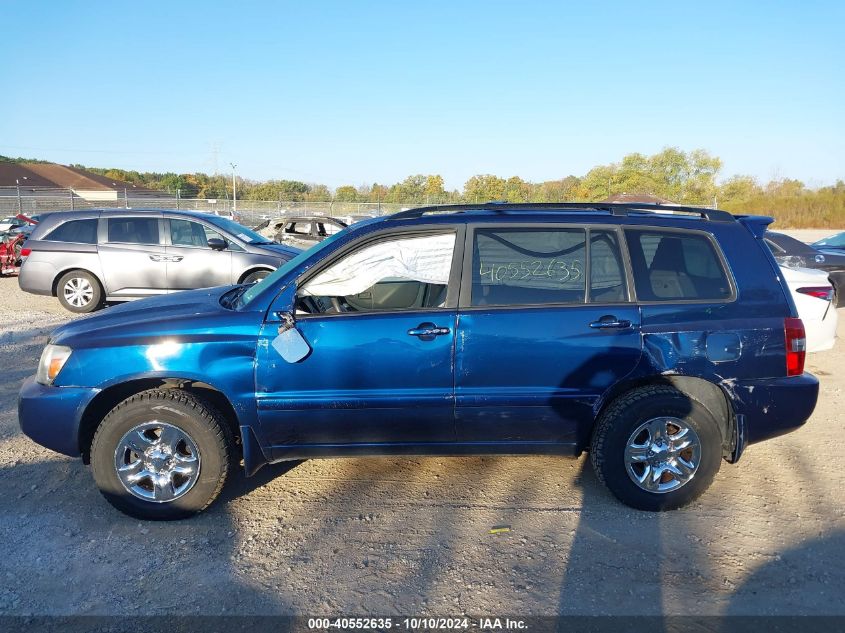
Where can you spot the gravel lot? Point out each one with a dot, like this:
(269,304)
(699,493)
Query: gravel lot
(411,536)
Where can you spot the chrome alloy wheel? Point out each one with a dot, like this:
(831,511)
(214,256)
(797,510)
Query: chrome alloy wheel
(157,462)
(78,292)
(662,454)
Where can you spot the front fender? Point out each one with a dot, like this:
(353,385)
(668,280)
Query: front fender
(227,366)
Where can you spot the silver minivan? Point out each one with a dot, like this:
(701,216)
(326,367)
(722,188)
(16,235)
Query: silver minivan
(86,258)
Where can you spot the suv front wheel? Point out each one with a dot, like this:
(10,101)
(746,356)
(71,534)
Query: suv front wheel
(656,449)
(162,454)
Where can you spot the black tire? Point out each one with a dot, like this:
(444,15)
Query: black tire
(79,279)
(624,416)
(191,415)
(255,276)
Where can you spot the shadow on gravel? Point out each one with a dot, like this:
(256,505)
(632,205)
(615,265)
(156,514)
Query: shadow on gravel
(807,580)
(240,485)
(67,552)
(628,553)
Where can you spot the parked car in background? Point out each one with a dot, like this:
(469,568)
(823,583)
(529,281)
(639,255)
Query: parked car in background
(11,244)
(28,226)
(833,243)
(352,219)
(796,254)
(814,297)
(663,344)
(86,258)
(11,222)
(302,231)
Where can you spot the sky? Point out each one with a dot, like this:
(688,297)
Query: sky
(362,92)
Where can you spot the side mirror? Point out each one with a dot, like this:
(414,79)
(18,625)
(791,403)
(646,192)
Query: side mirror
(215,243)
(290,344)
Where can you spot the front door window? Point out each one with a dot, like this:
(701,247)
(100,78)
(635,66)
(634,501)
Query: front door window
(410,273)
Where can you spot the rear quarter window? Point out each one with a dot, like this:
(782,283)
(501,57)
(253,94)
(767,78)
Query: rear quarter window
(76,231)
(676,266)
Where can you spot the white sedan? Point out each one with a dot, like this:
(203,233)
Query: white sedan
(813,295)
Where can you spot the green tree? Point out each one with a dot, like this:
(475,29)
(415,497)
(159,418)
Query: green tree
(433,189)
(346,193)
(484,188)
(318,193)
(738,189)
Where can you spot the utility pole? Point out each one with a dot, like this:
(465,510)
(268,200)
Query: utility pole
(18,186)
(234,190)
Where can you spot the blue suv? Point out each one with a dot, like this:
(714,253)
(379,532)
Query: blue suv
(661,340)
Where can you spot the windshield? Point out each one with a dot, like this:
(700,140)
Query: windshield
(271,279)
(238,230)
(833,240)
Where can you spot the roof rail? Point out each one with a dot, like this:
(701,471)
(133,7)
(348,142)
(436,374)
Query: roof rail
(614,208)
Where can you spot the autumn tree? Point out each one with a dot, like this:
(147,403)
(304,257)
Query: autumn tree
(346,193)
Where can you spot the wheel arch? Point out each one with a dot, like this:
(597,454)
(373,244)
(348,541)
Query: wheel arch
(705,392)
(55,285)
(254,269)
(111,396)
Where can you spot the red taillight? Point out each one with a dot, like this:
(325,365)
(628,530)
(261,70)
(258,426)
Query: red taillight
(796,346)
(25,252)
(820,292)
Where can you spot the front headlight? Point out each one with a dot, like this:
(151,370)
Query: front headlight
(53,358)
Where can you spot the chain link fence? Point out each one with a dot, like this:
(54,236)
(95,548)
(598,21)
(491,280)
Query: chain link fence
(247,212)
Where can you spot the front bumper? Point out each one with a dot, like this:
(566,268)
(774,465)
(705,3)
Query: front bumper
(774,406)
(50,416)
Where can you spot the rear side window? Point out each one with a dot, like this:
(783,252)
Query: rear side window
(77,231)
(607,273)
(133,230)
(672,266)
(298,228)
(528,266)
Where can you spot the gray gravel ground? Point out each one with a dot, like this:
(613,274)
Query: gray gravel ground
(410,536)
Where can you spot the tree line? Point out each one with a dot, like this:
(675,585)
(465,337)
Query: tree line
(682,177)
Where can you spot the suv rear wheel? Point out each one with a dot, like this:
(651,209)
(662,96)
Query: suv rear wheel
(656,449)
(79,291)
(162,454)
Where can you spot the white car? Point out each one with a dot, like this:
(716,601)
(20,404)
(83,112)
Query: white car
(813,295)
(7,224)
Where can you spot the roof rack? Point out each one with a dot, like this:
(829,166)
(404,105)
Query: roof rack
(614,208)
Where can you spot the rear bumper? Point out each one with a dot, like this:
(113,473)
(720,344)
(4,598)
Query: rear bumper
(774,406)
(36,277)
(50,416)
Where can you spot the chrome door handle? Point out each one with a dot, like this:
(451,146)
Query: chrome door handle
(427,331)
(610,323)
